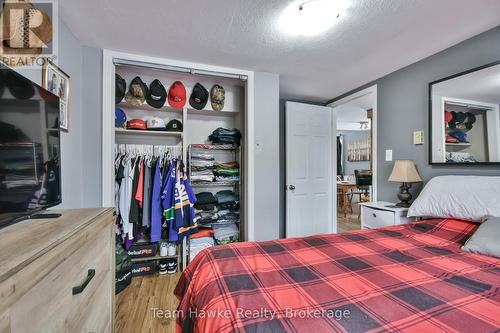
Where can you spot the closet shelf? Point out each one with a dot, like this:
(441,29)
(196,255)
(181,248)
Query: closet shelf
(124,131)
(168,108)
(463,144)
(157,257)
(147,107)
(213,113)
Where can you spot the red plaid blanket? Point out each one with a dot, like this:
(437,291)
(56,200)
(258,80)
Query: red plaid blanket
(408,278)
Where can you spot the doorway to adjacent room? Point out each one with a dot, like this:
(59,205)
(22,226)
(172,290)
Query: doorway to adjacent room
(356,155)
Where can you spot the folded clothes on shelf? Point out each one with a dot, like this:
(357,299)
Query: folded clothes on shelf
(212,147)
(202,156)
(201,164)
(226,233)
(226,172)
(234,179)
(226,196)
(226,165)
(196,168)
(232,205)
(196,245)
(202,178)
(205,198)
(204,206)
(204,172)
(225,136)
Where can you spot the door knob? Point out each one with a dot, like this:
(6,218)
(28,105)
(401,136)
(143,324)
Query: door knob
(291,187)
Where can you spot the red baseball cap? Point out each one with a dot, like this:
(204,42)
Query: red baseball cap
(137,124)
(447,116)
(177,95)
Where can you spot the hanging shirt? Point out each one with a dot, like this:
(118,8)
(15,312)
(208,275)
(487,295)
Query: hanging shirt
(139,194)
(169,202)
(134,204)
(123,203)
(184,204)
(146,201)
(156,209)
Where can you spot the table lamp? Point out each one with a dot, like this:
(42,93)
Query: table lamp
(404,172)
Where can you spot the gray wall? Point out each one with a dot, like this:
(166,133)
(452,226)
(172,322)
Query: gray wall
(72,165)
(349,137)
(92,127)
(267,160)
(403,108)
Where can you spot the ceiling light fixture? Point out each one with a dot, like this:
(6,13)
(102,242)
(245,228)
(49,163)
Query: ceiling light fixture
(310,17)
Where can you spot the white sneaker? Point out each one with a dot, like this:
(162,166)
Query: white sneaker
(163,249)
(171,249)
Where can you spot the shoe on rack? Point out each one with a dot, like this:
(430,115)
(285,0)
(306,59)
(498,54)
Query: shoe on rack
(171,266)
(163,267)
(163,249)
(171,249)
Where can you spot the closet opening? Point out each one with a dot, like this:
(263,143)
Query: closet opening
(207,136)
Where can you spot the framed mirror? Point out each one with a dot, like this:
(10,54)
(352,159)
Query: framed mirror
(464,117)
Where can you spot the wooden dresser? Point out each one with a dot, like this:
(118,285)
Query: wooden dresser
(57,275)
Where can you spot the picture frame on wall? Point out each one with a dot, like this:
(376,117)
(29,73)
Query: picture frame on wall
(57,82)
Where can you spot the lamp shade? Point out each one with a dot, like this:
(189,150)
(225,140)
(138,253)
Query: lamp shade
(404,171)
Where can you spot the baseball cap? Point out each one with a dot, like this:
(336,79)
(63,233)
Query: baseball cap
(470,120)
(156,124)
(199,97)
(217,97)
(120,117)
(120,88)
(137,124)
(174,125)
(157,94)
(447,117)
(450,139)
(177,95)
(137,92)
(460,136)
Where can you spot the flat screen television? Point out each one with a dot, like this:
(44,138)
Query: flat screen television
(30,172)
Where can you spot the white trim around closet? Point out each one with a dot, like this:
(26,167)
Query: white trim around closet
(108,127)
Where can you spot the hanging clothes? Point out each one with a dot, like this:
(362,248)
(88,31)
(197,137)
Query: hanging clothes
(169,202)
(153,197)
(156,207)
(185,222)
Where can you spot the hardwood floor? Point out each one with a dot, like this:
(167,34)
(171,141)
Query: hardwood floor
(350,221)
(134,305)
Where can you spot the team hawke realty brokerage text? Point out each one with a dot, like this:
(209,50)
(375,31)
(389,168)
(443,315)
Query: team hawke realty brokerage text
(240,313)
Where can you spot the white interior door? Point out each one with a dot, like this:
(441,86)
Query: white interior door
(310,171)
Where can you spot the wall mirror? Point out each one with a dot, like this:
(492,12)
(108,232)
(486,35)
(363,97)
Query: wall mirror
(465,117)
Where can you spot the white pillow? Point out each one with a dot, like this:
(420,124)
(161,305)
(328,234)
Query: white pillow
(470,198)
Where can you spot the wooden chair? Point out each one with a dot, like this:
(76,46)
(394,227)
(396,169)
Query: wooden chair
(363,183)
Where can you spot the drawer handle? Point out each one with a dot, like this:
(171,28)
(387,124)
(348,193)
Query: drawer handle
(80,289)
(374,215)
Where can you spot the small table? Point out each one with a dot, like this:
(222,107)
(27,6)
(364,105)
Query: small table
(382,214)
(345,187)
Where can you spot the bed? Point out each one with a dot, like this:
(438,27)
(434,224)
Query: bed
(411,278)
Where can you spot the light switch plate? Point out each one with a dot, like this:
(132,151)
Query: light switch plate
(418,137)
(388,155)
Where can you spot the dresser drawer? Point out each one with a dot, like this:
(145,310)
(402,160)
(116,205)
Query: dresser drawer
(375,218)
(53,305)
